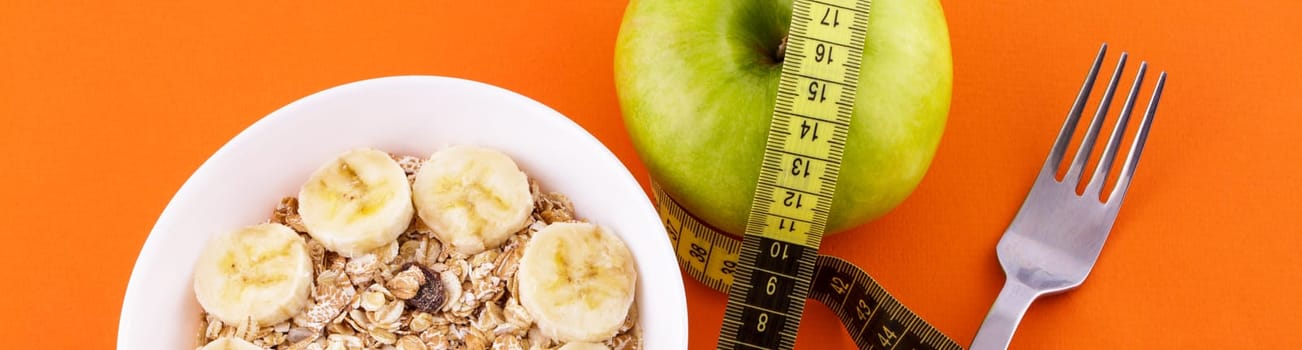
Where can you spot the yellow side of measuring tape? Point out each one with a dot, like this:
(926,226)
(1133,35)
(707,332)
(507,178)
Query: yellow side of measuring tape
(770,273)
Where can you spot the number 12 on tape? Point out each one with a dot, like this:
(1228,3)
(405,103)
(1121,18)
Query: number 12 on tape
(802,156)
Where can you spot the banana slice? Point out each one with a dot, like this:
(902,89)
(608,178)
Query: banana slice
(473,198)
(230,343)
(261,272)
(577,280)
(357,202)
(578,345)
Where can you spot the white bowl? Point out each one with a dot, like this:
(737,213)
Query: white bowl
(243,181)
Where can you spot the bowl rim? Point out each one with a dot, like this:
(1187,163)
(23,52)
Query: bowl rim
(151,250)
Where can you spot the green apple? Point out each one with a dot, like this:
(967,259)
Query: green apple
(697,82)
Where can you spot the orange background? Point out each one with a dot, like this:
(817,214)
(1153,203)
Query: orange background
(107,107)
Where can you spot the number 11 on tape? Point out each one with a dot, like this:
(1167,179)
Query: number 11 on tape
(802,157)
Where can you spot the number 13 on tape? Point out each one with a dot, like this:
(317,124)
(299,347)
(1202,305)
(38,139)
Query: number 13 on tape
(802,157)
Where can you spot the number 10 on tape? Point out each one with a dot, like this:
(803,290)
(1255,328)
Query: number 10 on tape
(802,156)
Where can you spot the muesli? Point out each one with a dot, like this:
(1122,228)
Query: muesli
(458,251)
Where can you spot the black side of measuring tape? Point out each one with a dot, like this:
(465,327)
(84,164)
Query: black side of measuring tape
(872,317)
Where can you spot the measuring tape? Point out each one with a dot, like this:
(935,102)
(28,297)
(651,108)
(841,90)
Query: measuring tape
(874,319)
(769,274)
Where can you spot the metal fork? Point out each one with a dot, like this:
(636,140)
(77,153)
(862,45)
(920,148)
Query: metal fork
(1056,237)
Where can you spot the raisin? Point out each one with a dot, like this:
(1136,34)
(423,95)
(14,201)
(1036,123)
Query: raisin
(431,296)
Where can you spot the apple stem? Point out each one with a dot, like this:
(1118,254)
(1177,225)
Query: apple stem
(782,49)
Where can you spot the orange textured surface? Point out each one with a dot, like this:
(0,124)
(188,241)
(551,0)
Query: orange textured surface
(107,107)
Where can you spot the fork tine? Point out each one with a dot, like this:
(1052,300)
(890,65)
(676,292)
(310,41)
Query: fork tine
(1114,141)
(1074,173)
(1069,126)
(1137,147)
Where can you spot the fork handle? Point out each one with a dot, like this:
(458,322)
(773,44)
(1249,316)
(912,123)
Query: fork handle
(997,330)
